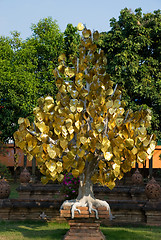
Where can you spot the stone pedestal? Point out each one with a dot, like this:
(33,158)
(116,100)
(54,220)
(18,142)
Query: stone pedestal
(84,226)
(153,212)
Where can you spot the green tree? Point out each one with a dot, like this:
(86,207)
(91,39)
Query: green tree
(18,84)
(71,42)
(48,42)
(26,72)
(86,130)
(132,48)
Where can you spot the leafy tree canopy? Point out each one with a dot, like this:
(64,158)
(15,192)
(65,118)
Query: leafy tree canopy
(86,130)
(71,42)
(48,43)
(132,48)
(26,69)
(18,85)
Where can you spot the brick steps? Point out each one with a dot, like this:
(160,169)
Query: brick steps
(84,226)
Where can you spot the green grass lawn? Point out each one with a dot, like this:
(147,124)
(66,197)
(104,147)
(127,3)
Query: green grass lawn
(36,230)
(132,233)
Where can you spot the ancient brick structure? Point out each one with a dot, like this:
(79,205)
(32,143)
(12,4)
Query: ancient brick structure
(84,226)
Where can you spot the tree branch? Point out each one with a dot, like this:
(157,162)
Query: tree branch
(50,140)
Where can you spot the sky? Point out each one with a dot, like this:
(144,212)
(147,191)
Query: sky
(96,14)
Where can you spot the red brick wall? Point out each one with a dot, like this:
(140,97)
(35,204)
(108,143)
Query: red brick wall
(8,159)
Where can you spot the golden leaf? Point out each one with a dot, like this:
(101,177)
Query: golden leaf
(101,164)
(116,103)
(119,121)
(134,150)
(111,185)
(62,57)
(84,93)
(75,173)
(80,26)
(81,153)
(96,35)
(22,144)
(116,169)
(111,111)
(51,151)
(146,142)
(49,100)
(64,131)
(74,93)
(77,124)
(142,156)
(63,143)
(142,131)
(57,131)
(61,68)
(29,157)
(60,177)
(36,150)
(62,89)
(58,152)
(53,175)
(83,140)
(109,91)
(65,159)
(44,138)
(129,143)
(152,145)
(71,129)
(44,180)
(73,108)
(42,127)
(79,76)
(21,120)
(68,122)
(80,107)
(70,137)
(108,156)
(71,154)
(99,127)
(73,102)
(59,167)
(69,72)
(51,166)
(86,33)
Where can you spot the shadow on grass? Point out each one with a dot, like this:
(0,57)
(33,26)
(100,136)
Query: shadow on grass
(32,230)
(132,233)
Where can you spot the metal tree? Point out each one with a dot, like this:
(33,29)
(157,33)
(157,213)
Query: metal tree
(86,130)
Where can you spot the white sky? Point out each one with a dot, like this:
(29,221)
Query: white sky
(20,14)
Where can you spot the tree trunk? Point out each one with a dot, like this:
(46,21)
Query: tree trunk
(85,188)
(86,198)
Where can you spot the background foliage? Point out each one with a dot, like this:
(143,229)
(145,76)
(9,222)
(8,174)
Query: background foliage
(132,48)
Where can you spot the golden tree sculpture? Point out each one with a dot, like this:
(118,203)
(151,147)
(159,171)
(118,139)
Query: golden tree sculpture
(86,130)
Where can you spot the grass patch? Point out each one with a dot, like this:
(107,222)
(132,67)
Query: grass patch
(37,230)
(132,233)
(31,230)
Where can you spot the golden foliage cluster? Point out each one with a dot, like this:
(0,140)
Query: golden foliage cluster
(86,130)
